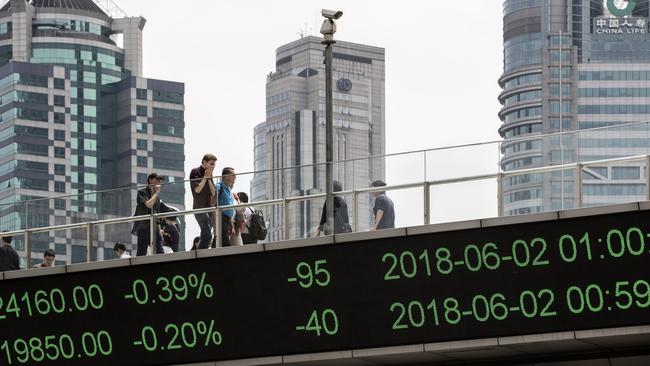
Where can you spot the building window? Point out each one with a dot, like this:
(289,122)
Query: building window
(33,149)
(563,56)
(141,94)
(168,97)
(556,73)
(59,84)
(59,204)
(556,107)
(141,127)
(142,144)
(59,100)
(59,169)
(59,187)
(59,152)
(59,118)
(141,111)
(33,80)
(142,161)
(555,90)
(59,135)
(142,178)
(566,123)
(165,130)
(168,164)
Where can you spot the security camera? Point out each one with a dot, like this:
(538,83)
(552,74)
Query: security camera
(328,28)
(331,14)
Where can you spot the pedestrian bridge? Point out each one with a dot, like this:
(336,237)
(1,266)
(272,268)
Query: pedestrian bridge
(550,287)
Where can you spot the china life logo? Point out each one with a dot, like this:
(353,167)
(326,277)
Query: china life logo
(620,20)
(620,12)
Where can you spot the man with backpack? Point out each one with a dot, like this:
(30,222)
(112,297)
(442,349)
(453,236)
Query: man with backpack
(255,226)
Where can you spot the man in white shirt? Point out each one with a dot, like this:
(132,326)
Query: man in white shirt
(248,211)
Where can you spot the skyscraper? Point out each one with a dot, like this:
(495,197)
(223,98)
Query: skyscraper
(77,116)
(574,65)
(294,131)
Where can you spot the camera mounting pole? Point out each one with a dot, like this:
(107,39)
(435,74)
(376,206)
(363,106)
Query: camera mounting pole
(327,30)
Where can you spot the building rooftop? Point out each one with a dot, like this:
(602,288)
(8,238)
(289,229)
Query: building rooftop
(87,5)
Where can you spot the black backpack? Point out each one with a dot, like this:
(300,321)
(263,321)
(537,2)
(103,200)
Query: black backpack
(257,227)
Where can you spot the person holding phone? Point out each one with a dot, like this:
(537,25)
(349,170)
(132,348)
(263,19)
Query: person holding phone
(149,202)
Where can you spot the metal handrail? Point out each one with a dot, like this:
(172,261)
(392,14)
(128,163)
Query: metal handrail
(410,152)
(426,185)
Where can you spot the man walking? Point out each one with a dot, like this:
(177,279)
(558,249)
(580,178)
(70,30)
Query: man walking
(384,210)
(149,202)
(8,256)
(204,194)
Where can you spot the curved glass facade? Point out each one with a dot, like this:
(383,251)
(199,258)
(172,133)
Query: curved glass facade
(521,100)
(522,51)
(510,6)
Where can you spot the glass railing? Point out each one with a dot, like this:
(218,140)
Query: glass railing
(531,174)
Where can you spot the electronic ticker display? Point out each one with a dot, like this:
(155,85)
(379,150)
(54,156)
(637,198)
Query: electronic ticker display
(581,273)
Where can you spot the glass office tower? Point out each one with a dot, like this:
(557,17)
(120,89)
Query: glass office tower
(574,65)
(77,117)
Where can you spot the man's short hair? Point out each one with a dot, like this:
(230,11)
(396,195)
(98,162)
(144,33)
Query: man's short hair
(227,171)
(243,197)
(49,253)
(155,175)
(208,157)
(6,239)
(119,246)
(378,183)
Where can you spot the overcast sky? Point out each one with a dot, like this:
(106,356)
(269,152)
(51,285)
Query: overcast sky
(443,59)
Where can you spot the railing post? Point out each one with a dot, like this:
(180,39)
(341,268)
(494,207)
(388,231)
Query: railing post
(89,241)
(425,165)
(427,203)
(647,177)
(578,187)
(152,233)
(355,210)
(218,222)
(28,249)
(285,223)
(28,244)
(215,221)
(500,194)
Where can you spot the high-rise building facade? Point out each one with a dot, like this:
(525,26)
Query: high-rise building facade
(574,65)
(294,131)
(77,116)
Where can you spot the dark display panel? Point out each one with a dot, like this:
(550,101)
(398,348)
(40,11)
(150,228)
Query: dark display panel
(582,273)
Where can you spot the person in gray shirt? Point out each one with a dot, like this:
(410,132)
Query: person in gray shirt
(384,209)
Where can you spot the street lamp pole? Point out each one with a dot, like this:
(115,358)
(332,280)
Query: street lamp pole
(327,30)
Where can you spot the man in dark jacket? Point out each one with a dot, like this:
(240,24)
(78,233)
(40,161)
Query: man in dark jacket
(341,218)
(148,201)
(8,256)
(204,194)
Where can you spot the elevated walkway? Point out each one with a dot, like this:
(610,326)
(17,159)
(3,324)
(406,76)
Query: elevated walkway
(552,287)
